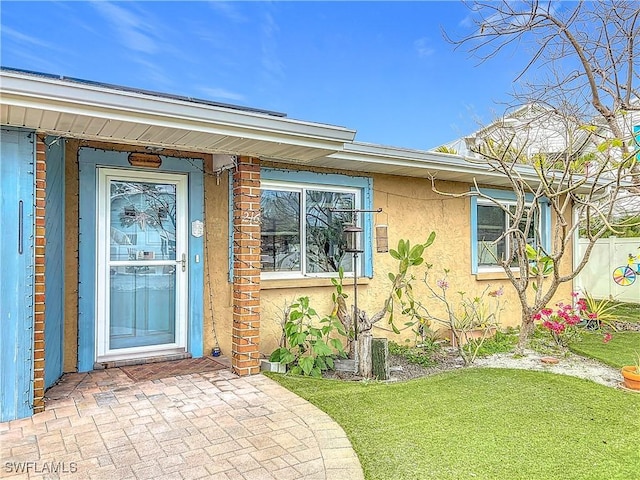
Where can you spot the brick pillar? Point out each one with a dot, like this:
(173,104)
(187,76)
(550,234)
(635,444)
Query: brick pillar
(38,281)
(245,348)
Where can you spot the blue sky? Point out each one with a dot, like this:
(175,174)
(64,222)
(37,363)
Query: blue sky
(381,68)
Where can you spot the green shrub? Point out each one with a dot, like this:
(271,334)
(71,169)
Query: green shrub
(309,349)
(424,355)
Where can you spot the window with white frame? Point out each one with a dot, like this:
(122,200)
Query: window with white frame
(490,222)
(302,228)
(493,221)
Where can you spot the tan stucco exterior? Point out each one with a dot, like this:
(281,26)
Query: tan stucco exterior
(410,208)
(218,303)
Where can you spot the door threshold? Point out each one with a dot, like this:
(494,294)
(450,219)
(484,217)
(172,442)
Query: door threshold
(140,361)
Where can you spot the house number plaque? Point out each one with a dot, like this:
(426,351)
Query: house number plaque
(197,228)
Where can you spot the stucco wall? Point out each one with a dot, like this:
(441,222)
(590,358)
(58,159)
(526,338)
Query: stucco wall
(412,210)
(218,308)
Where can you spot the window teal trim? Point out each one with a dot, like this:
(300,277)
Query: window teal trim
(636,134)
(365,184)
(89,160)
(545,224)
(474,233)
(507,196)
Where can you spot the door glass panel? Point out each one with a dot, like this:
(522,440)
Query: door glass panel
(142,270)
(142,306)
(143,221)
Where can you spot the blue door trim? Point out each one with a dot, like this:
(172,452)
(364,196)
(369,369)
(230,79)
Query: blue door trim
(89,160)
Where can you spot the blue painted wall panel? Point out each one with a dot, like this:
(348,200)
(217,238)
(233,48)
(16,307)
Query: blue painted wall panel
(90,159)
(54,261)
(17,207)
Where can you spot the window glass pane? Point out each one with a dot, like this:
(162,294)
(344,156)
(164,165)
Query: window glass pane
(325,241)
(530,233)
(280,231)
(491,225)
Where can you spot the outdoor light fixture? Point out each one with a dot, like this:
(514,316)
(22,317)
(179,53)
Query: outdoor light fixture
(352,237)
(223,162)
(351,234)
(382,239)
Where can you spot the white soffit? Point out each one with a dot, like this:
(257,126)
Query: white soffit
(416,163)
(91,111)
(95,112)
(364,157)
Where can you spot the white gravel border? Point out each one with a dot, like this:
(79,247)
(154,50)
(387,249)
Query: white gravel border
(572,365)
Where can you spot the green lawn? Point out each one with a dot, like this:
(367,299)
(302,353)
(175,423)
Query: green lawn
(484,424)
(617,352)
(628,311)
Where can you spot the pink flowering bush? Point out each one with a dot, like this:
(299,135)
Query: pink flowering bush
(563,322)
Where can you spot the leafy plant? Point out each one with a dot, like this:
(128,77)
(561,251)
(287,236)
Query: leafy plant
(423,355)
(636,363)
(540,265)
(501,342)
(462,316)
(309,349)
(600,312)
(408,256)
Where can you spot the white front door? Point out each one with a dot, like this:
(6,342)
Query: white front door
(142,264)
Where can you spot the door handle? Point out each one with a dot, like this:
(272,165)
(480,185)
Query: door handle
(20,227)
(183,262)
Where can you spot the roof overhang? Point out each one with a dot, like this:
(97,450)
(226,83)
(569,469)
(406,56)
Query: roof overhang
(371,158)
(419,163)
(93,111)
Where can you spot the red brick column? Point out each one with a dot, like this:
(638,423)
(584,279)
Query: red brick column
(245,348)
(38,280)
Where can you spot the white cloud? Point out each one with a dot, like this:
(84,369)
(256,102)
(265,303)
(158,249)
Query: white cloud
(36,60)
(423,47)
(467,21)
(154,73)
(132,28)
(270,60)
(229,11)
(24,39)
(221,93)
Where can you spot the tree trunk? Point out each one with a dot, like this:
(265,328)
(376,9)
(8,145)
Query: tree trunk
(365,367)
(526,329)
(379,358)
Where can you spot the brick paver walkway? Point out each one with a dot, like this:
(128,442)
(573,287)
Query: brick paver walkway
(212,425)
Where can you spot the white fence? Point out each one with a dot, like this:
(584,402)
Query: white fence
(607,255)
